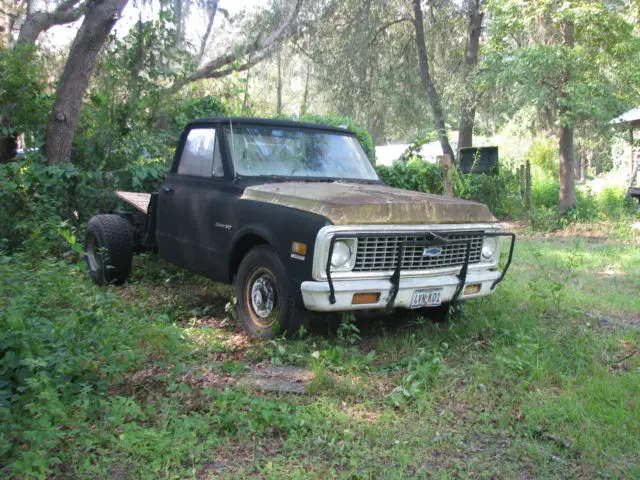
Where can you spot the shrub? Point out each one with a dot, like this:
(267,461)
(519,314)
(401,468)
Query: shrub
(415,174)
(24,105)
(545,193)
(499,192)
(543,155)
(64,345)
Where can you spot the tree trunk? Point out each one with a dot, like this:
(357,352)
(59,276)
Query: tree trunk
(205,39)
(100,18)
(245,99)
(279,86)
(567,178)
(468,107)
(427,81)
(305,96)
(8,145)
(179,23)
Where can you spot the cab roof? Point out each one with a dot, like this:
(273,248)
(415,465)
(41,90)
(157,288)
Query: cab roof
(270,122)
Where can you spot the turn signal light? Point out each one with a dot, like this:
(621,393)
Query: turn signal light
(299,248)
(363,298)
(472,288)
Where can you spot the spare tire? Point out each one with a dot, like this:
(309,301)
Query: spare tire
(109,249)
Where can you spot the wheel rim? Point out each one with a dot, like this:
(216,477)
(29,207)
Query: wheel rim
(94,259)
(261,295)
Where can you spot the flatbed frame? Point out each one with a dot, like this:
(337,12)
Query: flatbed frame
(140,201)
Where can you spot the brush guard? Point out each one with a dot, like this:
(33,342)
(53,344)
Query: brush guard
(431,239)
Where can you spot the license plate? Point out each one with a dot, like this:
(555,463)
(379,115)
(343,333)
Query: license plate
(426,298)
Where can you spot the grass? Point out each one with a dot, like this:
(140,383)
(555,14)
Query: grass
(540,380)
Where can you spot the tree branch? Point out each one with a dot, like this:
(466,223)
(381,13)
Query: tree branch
(388,25)
(211,69)
(38,22)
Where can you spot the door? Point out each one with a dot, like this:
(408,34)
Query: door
(191,202)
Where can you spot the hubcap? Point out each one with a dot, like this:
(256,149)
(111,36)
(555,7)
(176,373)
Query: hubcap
(263,295)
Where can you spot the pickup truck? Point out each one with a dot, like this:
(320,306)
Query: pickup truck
(295,215)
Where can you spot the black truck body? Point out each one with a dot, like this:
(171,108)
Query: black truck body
(247,200)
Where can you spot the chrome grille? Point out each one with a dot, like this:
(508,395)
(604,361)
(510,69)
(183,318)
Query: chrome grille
(379,252)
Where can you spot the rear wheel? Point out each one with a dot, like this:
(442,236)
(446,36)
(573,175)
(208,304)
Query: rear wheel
(266,304)
(109,249)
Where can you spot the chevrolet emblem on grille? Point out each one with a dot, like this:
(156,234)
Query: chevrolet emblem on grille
(431,252)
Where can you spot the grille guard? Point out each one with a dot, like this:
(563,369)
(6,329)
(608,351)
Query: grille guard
(430,239)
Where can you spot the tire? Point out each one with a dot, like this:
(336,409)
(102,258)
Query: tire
(109,249)
(266,304)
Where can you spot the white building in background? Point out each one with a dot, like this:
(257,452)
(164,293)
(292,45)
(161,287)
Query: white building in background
(387,154)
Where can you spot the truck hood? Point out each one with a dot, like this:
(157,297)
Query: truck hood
(362,204)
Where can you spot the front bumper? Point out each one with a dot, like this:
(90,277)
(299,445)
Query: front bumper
(316,295)
(397,291)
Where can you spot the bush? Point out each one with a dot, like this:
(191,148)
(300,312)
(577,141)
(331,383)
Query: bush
(544,157)
(64,345)
(415,174)
(499,192)
(545,193)
(24,105)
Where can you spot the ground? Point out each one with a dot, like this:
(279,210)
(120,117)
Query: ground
(541,380)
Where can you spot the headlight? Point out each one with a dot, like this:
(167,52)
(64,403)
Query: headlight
(489,248)
(343,255)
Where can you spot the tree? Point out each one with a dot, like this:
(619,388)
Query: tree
(427,81)
(475,15)
(567,174)
(33,24)
(100,18)
(575,63)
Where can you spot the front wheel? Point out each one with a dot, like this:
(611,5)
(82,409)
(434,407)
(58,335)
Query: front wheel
(266,304)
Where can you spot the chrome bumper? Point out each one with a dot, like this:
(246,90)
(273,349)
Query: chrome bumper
(315,295)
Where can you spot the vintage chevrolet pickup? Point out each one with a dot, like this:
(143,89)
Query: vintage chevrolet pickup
(296,215)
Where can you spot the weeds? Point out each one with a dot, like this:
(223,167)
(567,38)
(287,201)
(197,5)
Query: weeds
(539,378)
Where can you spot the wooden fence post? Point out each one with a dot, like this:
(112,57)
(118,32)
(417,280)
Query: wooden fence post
(527,197)
(521,181)
(446,165)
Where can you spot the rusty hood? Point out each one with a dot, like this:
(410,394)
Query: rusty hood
(361,204)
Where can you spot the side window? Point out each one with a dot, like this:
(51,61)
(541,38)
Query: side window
(197,155)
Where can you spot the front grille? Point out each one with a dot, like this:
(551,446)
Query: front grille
(379,252)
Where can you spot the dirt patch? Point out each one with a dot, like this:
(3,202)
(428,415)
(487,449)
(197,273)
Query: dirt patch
(613,322)
(278,378)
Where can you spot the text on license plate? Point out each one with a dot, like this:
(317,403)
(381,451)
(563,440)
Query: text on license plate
(426,298)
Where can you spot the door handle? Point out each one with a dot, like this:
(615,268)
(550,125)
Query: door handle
(167,190)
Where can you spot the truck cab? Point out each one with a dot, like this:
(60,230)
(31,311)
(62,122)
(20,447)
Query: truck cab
(295,215)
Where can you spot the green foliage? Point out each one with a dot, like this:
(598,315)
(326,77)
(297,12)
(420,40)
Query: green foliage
(415,174)
(37,198)
(544,158)
(499,192)
(525,57)
(132,123)
(608,206)
(64,345)
(24,104)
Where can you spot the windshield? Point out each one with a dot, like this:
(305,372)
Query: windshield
(275,151)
